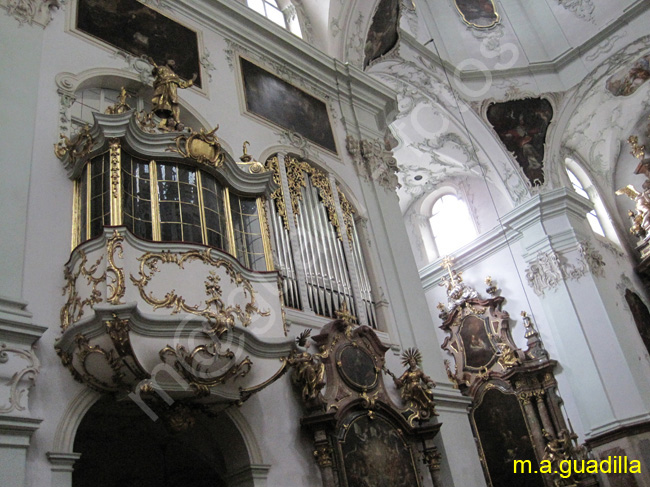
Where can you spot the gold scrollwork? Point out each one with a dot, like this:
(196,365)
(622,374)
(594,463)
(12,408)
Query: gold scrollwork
(202,146)
(296,170)
(77,147)
(117,287)
(74,307)
(348,214)
(278,196)
(85,350)
(507,356)
(192,365)
(223,317)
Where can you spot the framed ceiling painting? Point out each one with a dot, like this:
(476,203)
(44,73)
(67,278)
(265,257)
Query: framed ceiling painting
(522,126)
(481,14)
(141,31)
(383,34)
(280,103)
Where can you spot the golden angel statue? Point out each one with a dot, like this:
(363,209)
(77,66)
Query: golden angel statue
(640,219)
(309,371)
(165,97)
(415,386)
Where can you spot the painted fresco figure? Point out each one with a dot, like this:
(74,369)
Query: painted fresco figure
(165,98)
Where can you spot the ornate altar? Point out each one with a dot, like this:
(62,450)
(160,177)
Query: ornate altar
(516,411)
(361,437)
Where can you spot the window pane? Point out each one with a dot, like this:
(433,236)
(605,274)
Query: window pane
(257,5)
(215,215)
(136,196)
(275,15)
(594,222)
(451,224)
(248,234)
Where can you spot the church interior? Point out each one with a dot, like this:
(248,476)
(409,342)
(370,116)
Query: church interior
(365,243)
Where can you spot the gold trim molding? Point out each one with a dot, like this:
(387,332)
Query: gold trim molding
(220,316)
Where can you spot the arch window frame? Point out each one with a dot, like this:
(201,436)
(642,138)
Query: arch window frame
(432,248)
(582,184)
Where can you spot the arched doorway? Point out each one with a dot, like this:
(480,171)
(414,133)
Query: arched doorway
(121,446)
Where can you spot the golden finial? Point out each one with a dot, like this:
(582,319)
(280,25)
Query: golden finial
(344,315)
(245,157)
(448,263)
(441,306)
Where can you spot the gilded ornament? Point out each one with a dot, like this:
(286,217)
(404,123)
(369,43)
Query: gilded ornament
(74,307)
(415,386)
(114,145)
(195,366)
(202,146)
(76,148)
(431,458)
(165,99)
(117,286)
(323,455)
(220,316)
(309,370)
(278,196)
(348,215)
(638,151)
(121,106)
(254,167)
(507,356)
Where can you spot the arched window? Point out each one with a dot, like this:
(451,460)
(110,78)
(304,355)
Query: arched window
(581,184)
(451,224)
(283,16)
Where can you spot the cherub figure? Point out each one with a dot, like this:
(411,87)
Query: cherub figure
(415,386)
(165,98)
(309,371)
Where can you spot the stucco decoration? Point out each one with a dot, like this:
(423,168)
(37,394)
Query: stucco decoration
(19,368)
(583,9)
(31,11)
(590,259)
(374,162)
(551,268)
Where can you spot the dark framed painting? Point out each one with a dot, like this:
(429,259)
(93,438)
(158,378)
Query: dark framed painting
(503,437)
(376,454)
(357,367)
(383,34)
(477,347)
(628,80)
(286,106)
(522,125)
(481,14)
(130,26)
